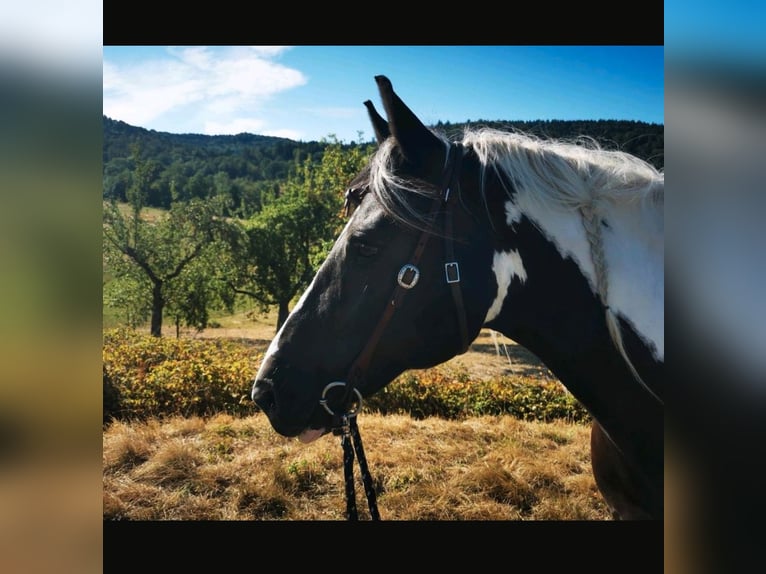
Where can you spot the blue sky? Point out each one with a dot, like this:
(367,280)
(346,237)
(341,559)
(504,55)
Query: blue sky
(313,92)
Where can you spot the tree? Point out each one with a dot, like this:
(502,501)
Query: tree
(180,257)
(127,288)
(291,236)
(201,287)
(173,260)
(277,261)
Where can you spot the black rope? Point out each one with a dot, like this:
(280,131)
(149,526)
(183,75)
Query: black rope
(369,489)
(351,441)
(348,471)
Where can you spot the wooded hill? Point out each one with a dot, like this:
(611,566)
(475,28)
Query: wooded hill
(248,167)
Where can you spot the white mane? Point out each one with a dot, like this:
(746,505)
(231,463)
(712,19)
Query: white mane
(564,174)
(579,177)
(555,173)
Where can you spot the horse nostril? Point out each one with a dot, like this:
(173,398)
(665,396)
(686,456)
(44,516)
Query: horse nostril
(262,393)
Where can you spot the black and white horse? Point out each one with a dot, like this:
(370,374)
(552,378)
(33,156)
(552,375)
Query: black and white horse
(558,246)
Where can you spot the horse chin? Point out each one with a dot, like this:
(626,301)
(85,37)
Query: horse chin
(319,424)
(310,435)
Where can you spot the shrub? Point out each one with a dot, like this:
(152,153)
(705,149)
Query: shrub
(151,376)
(450,393)
(148,376)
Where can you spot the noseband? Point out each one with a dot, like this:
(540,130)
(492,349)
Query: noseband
(344,423)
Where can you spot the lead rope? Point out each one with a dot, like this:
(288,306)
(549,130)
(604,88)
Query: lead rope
(350,434)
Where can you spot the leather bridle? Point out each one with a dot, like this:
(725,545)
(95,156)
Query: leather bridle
(408,277)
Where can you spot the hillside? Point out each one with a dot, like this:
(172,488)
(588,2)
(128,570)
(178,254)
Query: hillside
(247,166)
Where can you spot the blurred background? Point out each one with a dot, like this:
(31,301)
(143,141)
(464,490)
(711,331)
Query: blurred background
(50,183)
(715,103)
(50,310)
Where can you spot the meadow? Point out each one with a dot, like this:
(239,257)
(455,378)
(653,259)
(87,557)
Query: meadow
(234,468)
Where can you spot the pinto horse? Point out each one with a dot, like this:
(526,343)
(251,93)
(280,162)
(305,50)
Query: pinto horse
(559,246)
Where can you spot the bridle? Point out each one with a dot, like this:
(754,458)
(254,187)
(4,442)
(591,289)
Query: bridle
(344,416)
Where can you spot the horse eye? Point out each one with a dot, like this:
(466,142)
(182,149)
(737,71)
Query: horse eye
(366,250)
(363,248)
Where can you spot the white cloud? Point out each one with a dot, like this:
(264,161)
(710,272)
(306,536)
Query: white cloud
(224,82)
(268,51)
(237,126)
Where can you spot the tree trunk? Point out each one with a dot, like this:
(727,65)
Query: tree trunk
(158,303)
(284,311)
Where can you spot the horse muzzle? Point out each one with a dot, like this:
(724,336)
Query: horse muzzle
(287,417)
(308,420)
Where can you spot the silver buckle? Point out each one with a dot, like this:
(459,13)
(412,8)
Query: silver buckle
(452,272)
(413,279)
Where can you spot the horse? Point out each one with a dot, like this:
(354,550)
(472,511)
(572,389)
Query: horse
(557,245)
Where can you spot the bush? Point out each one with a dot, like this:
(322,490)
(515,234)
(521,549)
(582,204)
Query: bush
(147,376)
(150,376)
(450,393)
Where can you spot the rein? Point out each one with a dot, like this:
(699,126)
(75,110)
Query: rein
(344,423)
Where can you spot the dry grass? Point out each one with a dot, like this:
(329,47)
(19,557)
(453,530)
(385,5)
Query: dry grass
(225,468)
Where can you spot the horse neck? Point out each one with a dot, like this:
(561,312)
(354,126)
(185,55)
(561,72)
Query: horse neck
(549,301)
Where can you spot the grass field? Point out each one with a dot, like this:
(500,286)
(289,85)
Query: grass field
(225,468)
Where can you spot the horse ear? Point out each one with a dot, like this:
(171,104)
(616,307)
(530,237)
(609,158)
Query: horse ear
(379,124)
(415,139)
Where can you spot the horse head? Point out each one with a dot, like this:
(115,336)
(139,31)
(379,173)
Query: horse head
(391,295)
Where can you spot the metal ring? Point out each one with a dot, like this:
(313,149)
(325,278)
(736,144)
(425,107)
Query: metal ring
(323,401)
(402,273)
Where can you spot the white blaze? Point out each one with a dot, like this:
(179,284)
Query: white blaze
(274,345)
(506,265)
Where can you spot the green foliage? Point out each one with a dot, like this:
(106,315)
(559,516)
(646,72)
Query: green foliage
(247,167)
(281,238)
(146,376)
(187,166)
(150,377)
(292,234)
(202,288)
(450,393)
(178,261)
(143,176)
(129,296)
